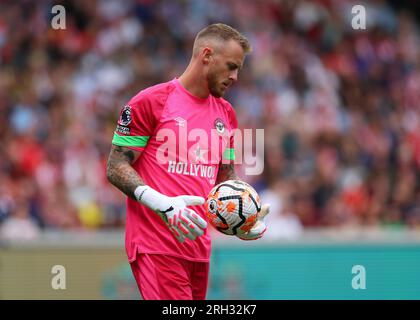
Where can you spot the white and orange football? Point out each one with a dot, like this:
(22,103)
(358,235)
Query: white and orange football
(232,207)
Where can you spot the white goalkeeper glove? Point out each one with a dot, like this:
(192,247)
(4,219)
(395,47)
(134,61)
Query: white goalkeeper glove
(259,228)
(181,221)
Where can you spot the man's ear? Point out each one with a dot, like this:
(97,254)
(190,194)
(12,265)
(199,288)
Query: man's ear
(206,54)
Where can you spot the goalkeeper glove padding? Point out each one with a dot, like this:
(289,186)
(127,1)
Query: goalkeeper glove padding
(181,221)
(259,228)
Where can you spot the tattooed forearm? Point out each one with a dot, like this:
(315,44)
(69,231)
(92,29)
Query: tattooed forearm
(120,172)
(226,172)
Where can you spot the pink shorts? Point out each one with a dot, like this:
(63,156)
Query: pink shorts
(162,277)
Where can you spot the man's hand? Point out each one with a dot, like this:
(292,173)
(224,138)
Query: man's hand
(181,221)
(259,228)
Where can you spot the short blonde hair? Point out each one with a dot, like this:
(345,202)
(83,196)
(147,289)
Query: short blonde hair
(223,32)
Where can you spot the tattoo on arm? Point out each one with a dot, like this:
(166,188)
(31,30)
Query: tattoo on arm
(226,172)
(120,172)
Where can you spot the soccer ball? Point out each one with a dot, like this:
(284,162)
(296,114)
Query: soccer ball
(232,207)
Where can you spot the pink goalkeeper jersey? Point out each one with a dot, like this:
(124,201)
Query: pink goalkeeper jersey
(183,140)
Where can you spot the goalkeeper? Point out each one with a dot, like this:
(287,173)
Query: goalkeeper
(166,240)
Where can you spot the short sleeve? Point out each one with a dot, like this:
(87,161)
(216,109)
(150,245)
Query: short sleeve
(229,152)
(140,117)
(135,125)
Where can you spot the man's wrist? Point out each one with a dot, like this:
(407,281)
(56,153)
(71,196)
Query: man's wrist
(139,192)
(149,197)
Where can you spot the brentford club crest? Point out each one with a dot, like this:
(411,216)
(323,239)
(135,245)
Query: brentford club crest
(125,118)
(219,125)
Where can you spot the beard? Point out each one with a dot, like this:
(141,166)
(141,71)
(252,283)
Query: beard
(214,86)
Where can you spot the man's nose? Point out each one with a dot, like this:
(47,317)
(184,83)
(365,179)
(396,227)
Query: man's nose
(233,75)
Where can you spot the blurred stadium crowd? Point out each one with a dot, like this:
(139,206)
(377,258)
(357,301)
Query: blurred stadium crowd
(340,107)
